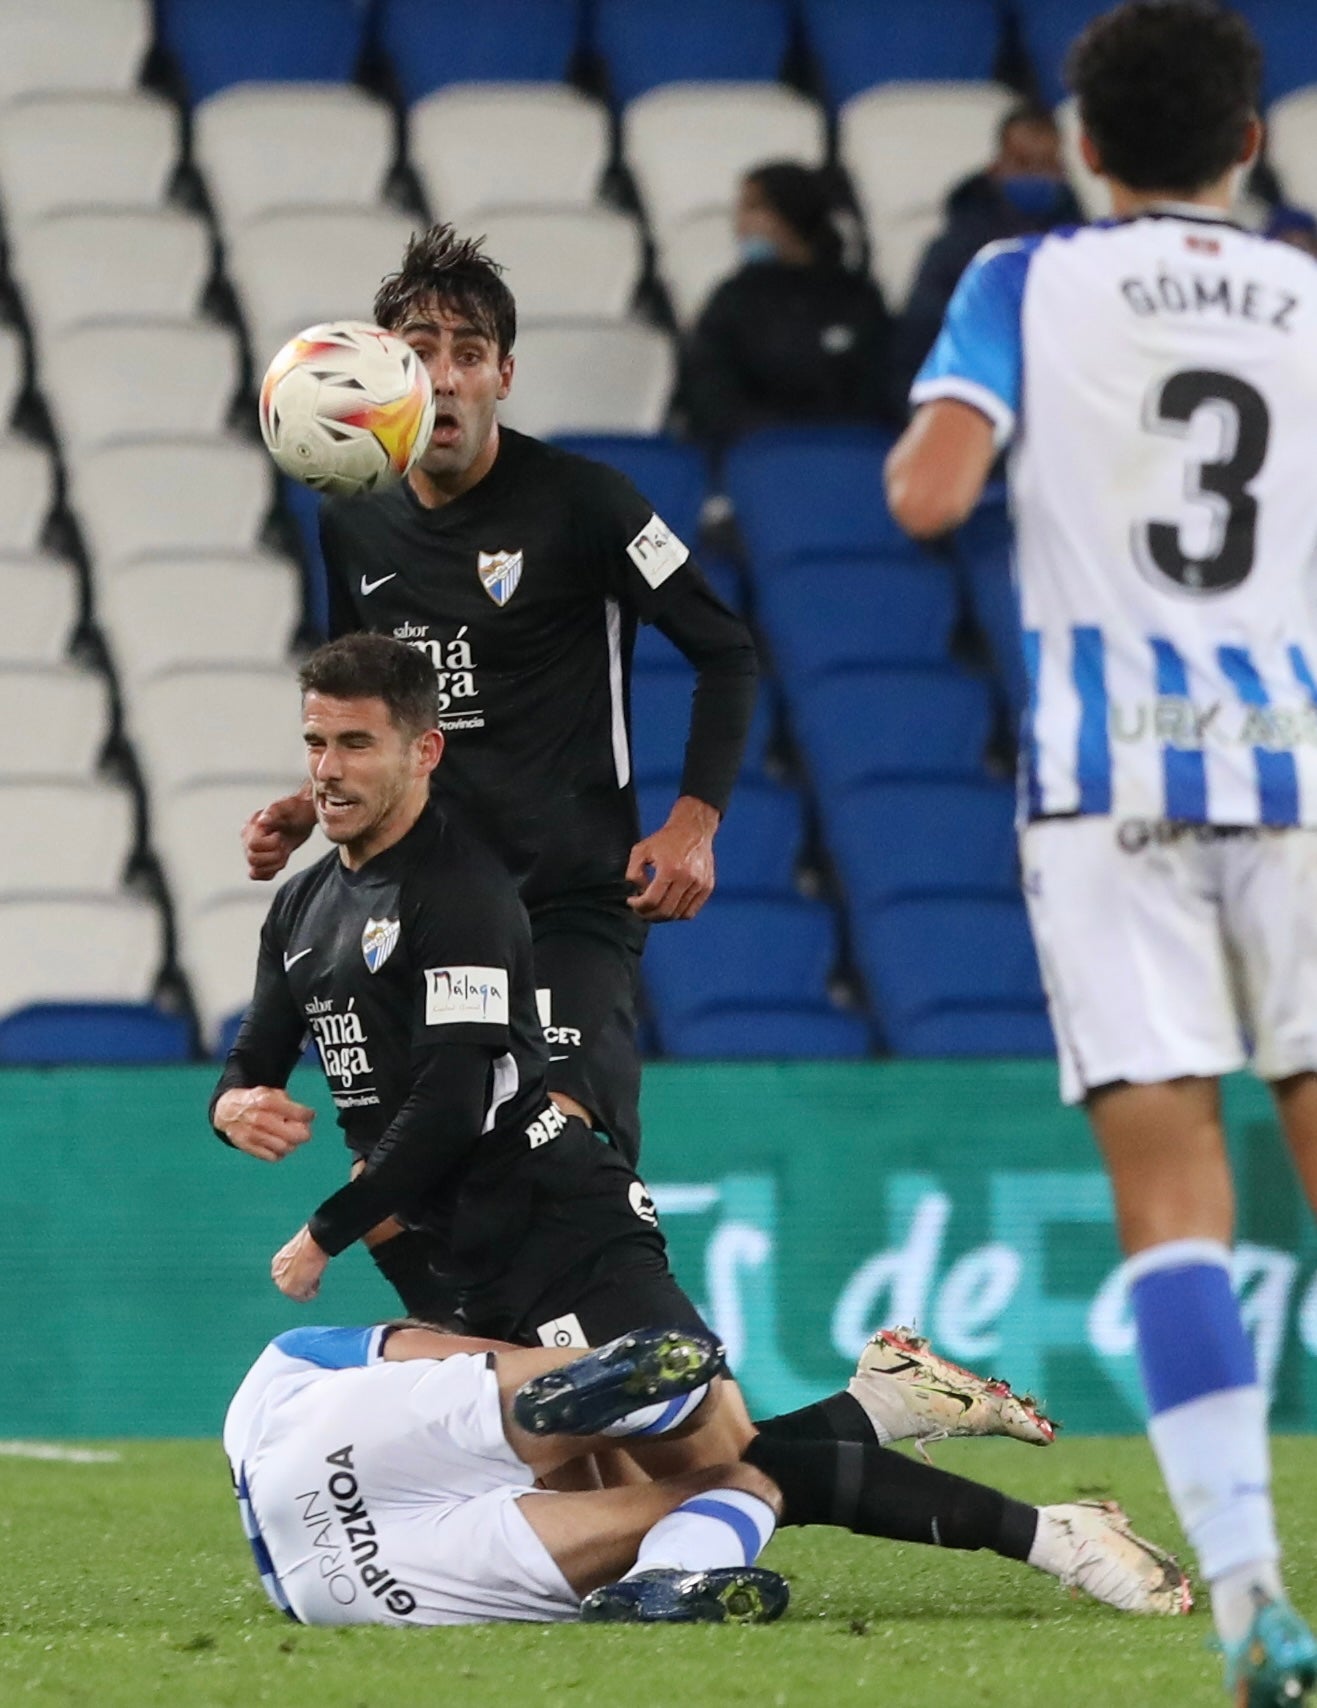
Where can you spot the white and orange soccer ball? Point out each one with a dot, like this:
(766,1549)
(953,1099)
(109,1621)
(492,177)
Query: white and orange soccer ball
(346,407)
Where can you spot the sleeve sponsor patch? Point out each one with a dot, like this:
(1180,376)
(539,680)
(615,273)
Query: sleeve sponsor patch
(462,995)
(656,551)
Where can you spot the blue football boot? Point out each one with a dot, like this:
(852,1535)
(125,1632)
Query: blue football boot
(637,1369)
(723,1595)
(1275,1666)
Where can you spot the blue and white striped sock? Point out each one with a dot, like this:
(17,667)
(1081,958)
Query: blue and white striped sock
(724,1527)
(659,1418)
(1208,1417)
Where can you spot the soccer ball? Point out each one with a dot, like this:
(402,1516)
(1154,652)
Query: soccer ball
(346,407)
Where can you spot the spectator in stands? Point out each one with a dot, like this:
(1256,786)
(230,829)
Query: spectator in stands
(1294,225)
(794,334)
(1023,190)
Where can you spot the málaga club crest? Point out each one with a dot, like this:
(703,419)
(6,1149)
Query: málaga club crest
(378,941)
(500,574)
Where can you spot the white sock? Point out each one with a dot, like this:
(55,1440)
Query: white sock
(724,1527)
(659,1418)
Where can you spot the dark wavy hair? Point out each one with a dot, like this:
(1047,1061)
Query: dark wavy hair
(1166,90)
(455,271)
(377,667)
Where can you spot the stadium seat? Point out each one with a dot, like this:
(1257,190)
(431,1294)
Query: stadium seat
(660,723)
(901,190)
(303,41)
(91,949)
(858,724)
(748,1033)
(940,956)
(217,951)
(1047,29)
(759,842)
(859,43)
(85,151)
(218,724)
(696,254)
(983,549)
(170,611)
(816,490)
(301,266)
(148,266)
(820,613)
(681,41)
(1292,145)
(64,714)
(477,147)
(76,837)
(434,43)
(263,146)
(54,1033)
(73,44)
(12,368)
(971,1030)
(672,476)
(39,608)
(106,380)
(917,836)
(688,145)
(153,495)
(567,263)
(194,831)
(601,377)
(1289,45)
(27,490)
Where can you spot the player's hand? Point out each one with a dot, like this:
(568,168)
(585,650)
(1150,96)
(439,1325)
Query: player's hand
(298,1266)
(673,868)
(271,835)
(263,1121)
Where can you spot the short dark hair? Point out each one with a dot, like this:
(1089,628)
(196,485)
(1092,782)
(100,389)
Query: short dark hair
(806,198)
(377,667)
(438,264)
(1024,113)
(1166,91)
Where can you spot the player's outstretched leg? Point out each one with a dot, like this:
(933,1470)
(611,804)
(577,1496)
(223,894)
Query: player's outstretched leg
(908,1391)
(643,1383)
(722,1595)
(1090,1545)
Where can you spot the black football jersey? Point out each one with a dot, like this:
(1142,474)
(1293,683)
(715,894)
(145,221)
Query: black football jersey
(525,593)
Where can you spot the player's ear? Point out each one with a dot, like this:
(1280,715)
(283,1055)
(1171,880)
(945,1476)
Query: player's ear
(1088,153)
(505,368)
(1253,137)
(429,750)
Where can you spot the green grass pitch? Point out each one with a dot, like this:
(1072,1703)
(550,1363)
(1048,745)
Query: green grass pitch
(129,1583)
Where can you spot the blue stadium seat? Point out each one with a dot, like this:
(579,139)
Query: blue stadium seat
(304,508)
(51,1032)
(947,956)
(1289,44)
(816,490)
(856,724)
(294,41)
(673,477)
(660,723)
(759,842)
(644,43)
(431,43)
(862,42)
(739,1034)
(822,613)
(917,836)
(972,1031)
(983,550)
(1047,28)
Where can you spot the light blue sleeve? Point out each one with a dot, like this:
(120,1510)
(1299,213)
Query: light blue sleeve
(330,1348)
(977,357)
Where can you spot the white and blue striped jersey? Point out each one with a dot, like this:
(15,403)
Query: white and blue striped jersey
(1156,380)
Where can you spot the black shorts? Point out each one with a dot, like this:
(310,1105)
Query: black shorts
(587,971)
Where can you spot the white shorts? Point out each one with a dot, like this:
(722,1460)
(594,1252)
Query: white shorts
(387,1494)
(1167,953)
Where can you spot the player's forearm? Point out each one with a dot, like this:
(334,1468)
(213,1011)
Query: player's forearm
(722,649)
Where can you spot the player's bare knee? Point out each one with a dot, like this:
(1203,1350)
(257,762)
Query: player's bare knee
(751,1480)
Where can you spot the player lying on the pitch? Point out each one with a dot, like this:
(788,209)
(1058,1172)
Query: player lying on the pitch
(400,1475)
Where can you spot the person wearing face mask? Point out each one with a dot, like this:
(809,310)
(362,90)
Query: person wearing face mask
(793,335)
(1022,191)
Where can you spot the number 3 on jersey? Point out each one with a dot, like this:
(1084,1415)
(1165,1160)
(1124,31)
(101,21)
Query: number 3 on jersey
(1169,409)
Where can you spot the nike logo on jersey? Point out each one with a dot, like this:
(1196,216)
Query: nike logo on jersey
(370,586)
(292,960)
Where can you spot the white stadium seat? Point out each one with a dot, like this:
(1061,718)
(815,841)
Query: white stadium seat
(296,268)
(195,833)
(39,606)
(217,725)
(169,610)
(27,490)
(1292,145)
(115,379)
(64,715)
(217,950)
(72,44)
(567,263)
(74,837)
(698,253)
(576,377)
(688,144)
(85,151)
(263,146)
(11,372)
(79,949)
(1090,190)
(148,266)
(901,187)
(480,146)
(159,495)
